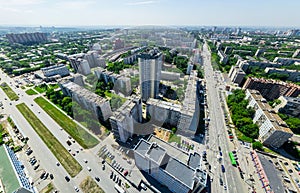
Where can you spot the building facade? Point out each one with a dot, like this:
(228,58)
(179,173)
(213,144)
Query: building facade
(289,106)
(272,89)
(273,131)
(190,107)
(236,75)
(154,157)
(60,69)
(89,100)
(150,73)
(162,112)
(124,120)
(24,38)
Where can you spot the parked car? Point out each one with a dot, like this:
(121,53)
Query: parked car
(76,188)
(36,167)
(223,168)
(67,178)
(97,179)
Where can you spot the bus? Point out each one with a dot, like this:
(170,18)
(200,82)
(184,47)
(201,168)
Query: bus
(231,156)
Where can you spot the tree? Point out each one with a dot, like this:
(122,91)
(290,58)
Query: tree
(257,145)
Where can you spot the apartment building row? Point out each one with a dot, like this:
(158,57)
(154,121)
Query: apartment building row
(122,84)
(89,100)
(292,75)
(272,89)
(178,171)
(24,38)
(273,131)
(82,63)
(59,69)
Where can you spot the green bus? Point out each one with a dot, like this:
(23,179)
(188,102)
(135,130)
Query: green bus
(231,156)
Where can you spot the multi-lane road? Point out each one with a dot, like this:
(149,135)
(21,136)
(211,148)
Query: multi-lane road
(39,148)
(218,138)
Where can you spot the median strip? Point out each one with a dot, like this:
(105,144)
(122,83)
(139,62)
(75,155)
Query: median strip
(85,139)
(9,92)
(62,155)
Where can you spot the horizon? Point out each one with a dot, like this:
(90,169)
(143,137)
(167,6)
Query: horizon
(76,13)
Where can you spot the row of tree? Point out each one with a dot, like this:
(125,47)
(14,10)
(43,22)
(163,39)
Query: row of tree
(241,114)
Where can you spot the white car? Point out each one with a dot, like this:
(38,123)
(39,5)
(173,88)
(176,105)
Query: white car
(76,188)
(89,169)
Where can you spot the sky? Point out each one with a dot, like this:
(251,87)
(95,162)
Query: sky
(277,13)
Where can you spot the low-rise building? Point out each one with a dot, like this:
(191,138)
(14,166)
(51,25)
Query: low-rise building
(60,69)
(273,131)
(178,171)
(89,100)
(236,75)
(289,106)
(125,119)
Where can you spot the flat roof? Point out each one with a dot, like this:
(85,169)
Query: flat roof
(171,150)
(7,172)
(194,160)
(156,153)
(181,172)
(276,121)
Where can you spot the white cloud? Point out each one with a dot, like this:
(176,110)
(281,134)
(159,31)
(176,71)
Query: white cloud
(142,3)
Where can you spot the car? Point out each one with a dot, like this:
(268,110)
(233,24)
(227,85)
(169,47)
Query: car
(31,104)
(89,169)
(69,142)
(285,163)
(234,152)
(67,178)
(114,178)
(76,188)
(221,153)
(45,176)
(103,161)
(143,186)
(290,171)
(221,182)
(225,188)
(119,182)
(85,161)
(220,148)
(77,150)
(111,176)
(97,179)
(223,168)
(57,163)
(36,167)
(51,176)
(103,167)
(33,162)
(125,173)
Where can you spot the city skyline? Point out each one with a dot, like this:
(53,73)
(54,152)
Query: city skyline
(149,12)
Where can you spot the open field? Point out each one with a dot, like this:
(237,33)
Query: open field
(89,185)
(9,92)
(62,155)
(85,139)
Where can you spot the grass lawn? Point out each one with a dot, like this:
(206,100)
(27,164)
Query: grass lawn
(62,155)
(242,137)
(175,138)
(89,185)
(31,92)
(9,92)
(85,139)
(40,89)
(48,188)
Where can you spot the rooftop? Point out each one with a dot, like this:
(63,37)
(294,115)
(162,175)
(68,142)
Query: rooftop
(276,121)
(164,104)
